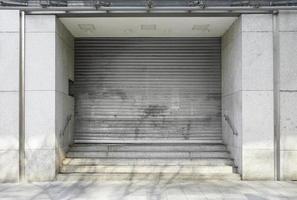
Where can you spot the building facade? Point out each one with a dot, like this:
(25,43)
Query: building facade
(193,92)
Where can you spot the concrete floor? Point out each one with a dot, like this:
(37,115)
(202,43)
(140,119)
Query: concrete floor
(149,190)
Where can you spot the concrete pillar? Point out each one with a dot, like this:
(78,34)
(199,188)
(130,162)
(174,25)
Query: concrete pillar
(288,94)
(40,93)
(9,95)
(248,95)
(257,97)
(49,61)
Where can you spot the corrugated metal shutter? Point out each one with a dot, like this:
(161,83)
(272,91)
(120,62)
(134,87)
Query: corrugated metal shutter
(147,89)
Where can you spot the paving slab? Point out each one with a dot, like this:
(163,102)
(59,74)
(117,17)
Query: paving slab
(150,190)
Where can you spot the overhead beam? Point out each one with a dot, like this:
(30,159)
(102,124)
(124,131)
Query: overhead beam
(157,9)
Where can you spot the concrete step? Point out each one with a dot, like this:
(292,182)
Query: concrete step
(148,147)
(148,141)
(122,154)
(146,169)
(157,134)
(146,176)
(153,161)
(146,138)
(158,160)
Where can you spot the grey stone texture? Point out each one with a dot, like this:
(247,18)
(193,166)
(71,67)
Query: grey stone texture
(247,94)
(9,95)
(151,190)
(49,65)
(247,79)
(288,93)
(231,90)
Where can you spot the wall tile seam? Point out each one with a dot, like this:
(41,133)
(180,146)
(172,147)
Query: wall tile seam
(9,32)
(256,31)
(59,91)
(230,94)
(45,90)
(39,32)
(9,149)
(257,90)
(42,149)
(289,150)
(242,90)
(257,149)
(288,91)
(288,31)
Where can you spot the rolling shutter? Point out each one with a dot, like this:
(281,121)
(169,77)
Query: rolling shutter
(147,89)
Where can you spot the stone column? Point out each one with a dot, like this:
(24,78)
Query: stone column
(49,65)
(257,97)
(288,93)
(9,95)
(40,96)
(248,95)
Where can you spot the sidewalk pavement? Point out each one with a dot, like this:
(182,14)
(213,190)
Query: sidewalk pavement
(158,190)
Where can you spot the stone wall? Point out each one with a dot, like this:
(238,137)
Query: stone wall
(288,93)
(231,90)
(257,97)
(49,65)
(248,95)
(9,95)
(49,62)
(40,89)
(64,102)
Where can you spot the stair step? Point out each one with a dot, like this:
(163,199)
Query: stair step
(167,160)
(148,147)
(157,132)
(122,154)
(146,169)
(146,134)
(146,176)
(142,141)
(153,161)
(124,138)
